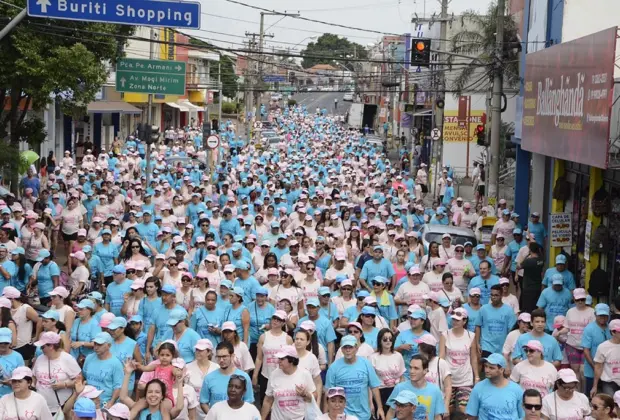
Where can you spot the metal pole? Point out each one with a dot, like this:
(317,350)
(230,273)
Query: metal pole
(13,23)
(443,34)
(219,111)
(261,37)
(149,113)
(467,125)
(496,104)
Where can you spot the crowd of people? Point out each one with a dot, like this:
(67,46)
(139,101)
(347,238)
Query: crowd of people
(291,284)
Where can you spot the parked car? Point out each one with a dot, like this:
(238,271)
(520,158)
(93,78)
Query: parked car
(348,96)
(460,235)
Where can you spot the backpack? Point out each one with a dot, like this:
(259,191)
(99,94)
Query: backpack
(599,283)
(601,240)
(561,190)
(601,204)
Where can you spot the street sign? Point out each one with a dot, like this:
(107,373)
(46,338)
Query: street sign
(136,75)
(213,142)
(171,14)
(435,134)
(272,78)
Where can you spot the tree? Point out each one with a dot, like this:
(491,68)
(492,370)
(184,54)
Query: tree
(329,48)
(479,41)
(50,60)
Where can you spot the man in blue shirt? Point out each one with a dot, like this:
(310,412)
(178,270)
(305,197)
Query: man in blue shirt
(560,268)
(324,329)
(481,255)
(555,300)
(103,370)
(495,322)
(356,375)
(115,292)
(594,334)
(430,402)
(510,264)
(484,281)
(378,266)
(496,397)
(537,228)
(551,349)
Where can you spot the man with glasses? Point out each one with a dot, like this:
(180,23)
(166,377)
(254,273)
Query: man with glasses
(215,385)
(496,397)
(357,376)
(532,404)
(495,322)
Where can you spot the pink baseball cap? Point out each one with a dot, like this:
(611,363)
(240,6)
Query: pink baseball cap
(475,291)
(287,351)
(427,339)
(535,345)
(106,319)
(579,294)
(567,376)
(20,373)
(273,272)
(346,282)
(138,284)
(48,338)
(229,326)
(5,303)
(11,292)
(308,326)
(280,314)
(504,280)
(614,325)
(525,317)
(460,314)
(81,232)
(203,344)
(415,270)
(90,392)
(369,300)
(79,255)
(60,291)
(339,392)
(118,410)
(356,325)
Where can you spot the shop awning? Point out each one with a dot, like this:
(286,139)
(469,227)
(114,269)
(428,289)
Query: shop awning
(190,106)
(112,107)
(177,106)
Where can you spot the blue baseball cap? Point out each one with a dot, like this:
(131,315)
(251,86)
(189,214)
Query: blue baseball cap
(118,322)
(602,309)
(418,314)
(407,397)
(238,291)
(362,293)
(341,277)
(313,302)
(169,288)
(238,238)
(103,338)
(95,295)
(86,249)
(275,225)
(506,212)
(517,231)
(108,231)
(348,340)
(445,302)
(242,265)
(560,259)
(368,310)
(480,247)
(119,269)
(136,318)
(85,407)
(324,290)
(6,335)
(237,246)
(43,254)
(380,279)
(226,283)
(495,359)
(378,248)
(86,303)
(557,279)
(176,315)
(51,314)
(18,251)
(262,291)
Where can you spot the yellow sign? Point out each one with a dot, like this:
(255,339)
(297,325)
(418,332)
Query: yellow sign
(455,131)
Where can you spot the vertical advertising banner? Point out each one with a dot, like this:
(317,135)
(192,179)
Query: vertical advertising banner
(568,98)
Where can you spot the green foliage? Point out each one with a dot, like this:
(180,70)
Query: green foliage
(292,102)
(480,42)
(332,48)
(229,108)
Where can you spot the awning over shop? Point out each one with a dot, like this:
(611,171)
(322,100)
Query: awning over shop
(190,106)
(181,108)
(112,107)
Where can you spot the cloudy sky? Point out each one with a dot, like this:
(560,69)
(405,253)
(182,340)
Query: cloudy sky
(225,23)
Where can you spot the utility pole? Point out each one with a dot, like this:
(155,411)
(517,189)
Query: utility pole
(249,83)
(149,111)
(496,106)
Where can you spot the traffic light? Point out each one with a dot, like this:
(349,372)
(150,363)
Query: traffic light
(480,140)
(206,132)
(510,149)
(140,129)
(420,52)
(151,134)
(215,124)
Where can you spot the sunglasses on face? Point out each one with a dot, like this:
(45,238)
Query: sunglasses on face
(131,271)
(186,279)
(377,283)
(535,407)
(135,247)
(172,265)
(528,350)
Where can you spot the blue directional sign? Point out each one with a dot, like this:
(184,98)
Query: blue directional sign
(272,78)
(171,14)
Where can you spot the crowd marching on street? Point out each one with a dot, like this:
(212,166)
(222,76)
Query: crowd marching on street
(293,283)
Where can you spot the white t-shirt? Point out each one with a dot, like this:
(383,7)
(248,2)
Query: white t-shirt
(33,407)
(79,275)
(511,341)
(433,280)
(438,321)
(71,220)
(576,321)
(413,294)
(243,359)
(196,377)
(190,400)
(287,405)
(458,356)
(512,301)
(555,408)
(389,367)
(272,345)
(540,378)
(222,411)
(48,371)
(293,294)
(608,354)
(458,268)
(438,368)
(311,364)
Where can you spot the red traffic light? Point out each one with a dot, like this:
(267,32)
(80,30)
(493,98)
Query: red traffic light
(420,46)
(480,128)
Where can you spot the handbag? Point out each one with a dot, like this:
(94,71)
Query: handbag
(313,411)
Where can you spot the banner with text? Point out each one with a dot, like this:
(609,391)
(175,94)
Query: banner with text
(561,232)
(567,100)
(453,129)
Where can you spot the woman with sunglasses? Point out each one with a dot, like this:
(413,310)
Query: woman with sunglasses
(346,299)
(184,293)
(434,277)
(288,289)
(565,401)
(336,400)
(415,247)
(133,250)
(461,268)
(602,407)
(269,344)
(388,364)
(198,293)
(367,319)
(385,301)
(211,270)
(133,299)
(170,274)
(535,372)
(206,320)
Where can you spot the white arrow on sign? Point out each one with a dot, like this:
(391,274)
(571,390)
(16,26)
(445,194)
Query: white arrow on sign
(123,80)
(44,4)
(179,68)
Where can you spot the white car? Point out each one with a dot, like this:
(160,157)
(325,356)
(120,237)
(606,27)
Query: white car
(276,97)
(348,96)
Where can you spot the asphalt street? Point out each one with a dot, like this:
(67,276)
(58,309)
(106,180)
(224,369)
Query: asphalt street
(313,100)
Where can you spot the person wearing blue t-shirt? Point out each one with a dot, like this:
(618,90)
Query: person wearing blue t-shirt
(184,337)
(324,328)
(484,281)
(84,329)
(103,370)
(215,385)
(159,328)
(551,349)
(473,309)
(495,322)
(115,292)
(406,341)
(378,266)
(496,397)
(560,268)
(9,360)
(537,228)
(555,300)
(594,334)
(356,375)
(430,398)
(48,276)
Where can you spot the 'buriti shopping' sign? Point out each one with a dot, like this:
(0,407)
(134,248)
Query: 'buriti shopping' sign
(568,98)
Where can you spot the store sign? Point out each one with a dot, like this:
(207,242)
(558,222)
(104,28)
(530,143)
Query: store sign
(561,232)
(568,97)
(455,130)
